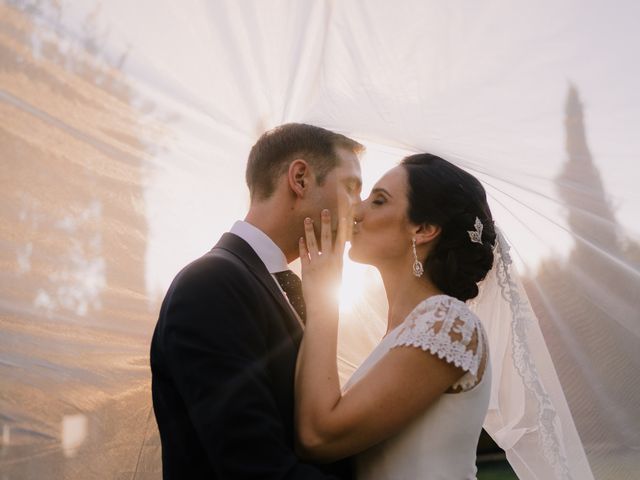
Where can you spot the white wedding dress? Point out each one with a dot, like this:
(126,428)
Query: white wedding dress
(441,443)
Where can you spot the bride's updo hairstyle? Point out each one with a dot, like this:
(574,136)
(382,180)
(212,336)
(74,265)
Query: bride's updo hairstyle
(442,194)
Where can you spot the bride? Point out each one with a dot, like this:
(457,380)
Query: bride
(415,407)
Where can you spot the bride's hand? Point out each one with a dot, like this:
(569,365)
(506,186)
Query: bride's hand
(322,268)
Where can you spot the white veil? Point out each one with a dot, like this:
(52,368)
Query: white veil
(124,131)
(528,415)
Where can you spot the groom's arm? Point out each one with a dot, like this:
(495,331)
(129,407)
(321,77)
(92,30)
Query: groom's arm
(217,354)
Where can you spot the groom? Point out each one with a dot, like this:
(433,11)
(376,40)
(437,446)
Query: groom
(224,349)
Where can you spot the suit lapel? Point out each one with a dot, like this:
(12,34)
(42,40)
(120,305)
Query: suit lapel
(243,251)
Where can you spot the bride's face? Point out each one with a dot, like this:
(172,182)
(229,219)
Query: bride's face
(382,232)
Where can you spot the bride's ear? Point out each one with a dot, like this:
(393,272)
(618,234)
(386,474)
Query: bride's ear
(298,177)
(426,233)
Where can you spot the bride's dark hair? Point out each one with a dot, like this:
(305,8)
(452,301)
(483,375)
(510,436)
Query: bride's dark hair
(442,194)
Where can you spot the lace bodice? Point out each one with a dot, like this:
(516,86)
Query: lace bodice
(446,327)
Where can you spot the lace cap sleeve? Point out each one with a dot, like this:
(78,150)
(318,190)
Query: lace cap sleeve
(446,327)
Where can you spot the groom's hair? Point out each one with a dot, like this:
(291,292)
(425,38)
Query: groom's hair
(276,149)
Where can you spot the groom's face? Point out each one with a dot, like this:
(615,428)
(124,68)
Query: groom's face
(340,191)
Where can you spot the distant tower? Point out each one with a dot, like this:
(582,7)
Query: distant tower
(580,185)
(580,302)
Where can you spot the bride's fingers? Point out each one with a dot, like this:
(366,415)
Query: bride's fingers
(310,236)
(325,232)
(304,253)
(344,225)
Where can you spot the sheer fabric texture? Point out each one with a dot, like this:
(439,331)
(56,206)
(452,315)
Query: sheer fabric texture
(124,132)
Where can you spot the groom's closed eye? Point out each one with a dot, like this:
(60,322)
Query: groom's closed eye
(354,185)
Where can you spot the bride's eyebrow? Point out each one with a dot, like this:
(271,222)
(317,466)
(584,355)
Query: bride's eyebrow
(380,189)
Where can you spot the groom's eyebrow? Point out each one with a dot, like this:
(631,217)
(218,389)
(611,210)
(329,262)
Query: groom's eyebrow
(380,189)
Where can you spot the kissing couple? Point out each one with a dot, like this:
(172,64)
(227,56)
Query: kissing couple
(244,355)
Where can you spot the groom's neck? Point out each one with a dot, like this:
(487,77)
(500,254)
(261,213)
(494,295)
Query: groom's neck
(274,221)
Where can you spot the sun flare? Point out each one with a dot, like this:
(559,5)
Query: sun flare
(354,280)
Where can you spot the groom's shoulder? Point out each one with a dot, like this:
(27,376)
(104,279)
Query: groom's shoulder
(228,267)
(215,266)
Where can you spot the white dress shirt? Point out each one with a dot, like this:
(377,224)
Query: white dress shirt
(267,251)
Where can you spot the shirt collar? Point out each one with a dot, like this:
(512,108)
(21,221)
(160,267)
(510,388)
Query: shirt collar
(265,248)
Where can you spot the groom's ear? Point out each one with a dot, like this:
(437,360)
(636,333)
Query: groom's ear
(426,233)
(298,175)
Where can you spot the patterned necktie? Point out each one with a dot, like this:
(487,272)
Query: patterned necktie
(292,286)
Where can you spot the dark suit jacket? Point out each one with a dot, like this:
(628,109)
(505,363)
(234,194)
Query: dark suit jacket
(223,359)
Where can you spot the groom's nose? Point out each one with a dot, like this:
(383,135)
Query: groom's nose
(357,211)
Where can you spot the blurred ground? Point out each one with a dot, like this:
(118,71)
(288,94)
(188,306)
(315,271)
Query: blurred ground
(491,461)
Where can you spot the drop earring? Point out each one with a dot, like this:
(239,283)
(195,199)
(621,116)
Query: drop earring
(418,269)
